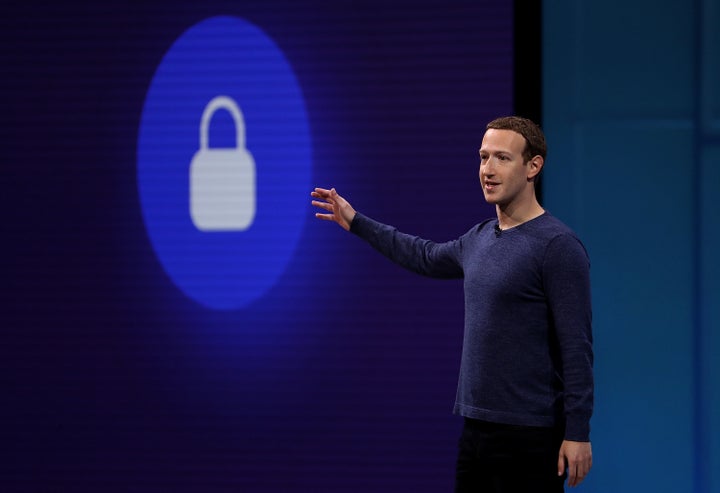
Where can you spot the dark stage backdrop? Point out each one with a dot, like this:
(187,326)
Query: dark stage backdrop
(149,343)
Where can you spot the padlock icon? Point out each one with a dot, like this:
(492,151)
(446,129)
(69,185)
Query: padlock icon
(222,180)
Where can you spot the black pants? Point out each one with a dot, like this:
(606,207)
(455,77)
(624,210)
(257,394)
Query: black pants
(498,458)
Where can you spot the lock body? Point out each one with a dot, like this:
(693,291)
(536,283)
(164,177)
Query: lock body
(222,190)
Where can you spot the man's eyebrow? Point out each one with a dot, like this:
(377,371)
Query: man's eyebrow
(494,151)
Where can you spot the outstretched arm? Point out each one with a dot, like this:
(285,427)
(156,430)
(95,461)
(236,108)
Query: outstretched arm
(339,209)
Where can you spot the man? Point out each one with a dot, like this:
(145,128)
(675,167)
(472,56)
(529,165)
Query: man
(526,384)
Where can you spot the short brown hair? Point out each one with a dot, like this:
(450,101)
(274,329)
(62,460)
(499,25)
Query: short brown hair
(534,138)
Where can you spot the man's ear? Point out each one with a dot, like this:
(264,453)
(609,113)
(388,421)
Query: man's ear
(535,165)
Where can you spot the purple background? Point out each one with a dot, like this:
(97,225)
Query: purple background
(342,378)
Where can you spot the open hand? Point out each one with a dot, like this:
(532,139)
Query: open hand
(339,210)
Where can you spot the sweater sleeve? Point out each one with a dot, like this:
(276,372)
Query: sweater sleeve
(439,260)
(566,275)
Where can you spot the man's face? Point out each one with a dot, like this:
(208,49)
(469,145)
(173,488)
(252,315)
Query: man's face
(503,174)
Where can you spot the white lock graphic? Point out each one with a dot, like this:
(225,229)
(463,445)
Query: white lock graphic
(222,180)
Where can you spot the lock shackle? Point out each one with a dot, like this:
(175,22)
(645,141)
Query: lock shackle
(225,103)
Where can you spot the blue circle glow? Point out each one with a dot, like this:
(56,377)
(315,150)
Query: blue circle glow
(224,56)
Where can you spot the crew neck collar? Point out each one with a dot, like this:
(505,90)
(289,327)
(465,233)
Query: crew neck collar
(512,228)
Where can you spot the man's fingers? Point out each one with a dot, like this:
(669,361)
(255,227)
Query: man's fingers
(572,475)
(322,205)
(561,464)
(577,472)
(321,193)
(583,470)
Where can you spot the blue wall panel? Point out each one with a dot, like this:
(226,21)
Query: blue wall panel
(630,109)
(709,426)
(710,64)
(708,144)
(631,58)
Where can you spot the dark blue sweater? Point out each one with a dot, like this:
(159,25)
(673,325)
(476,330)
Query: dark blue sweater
(527,351)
